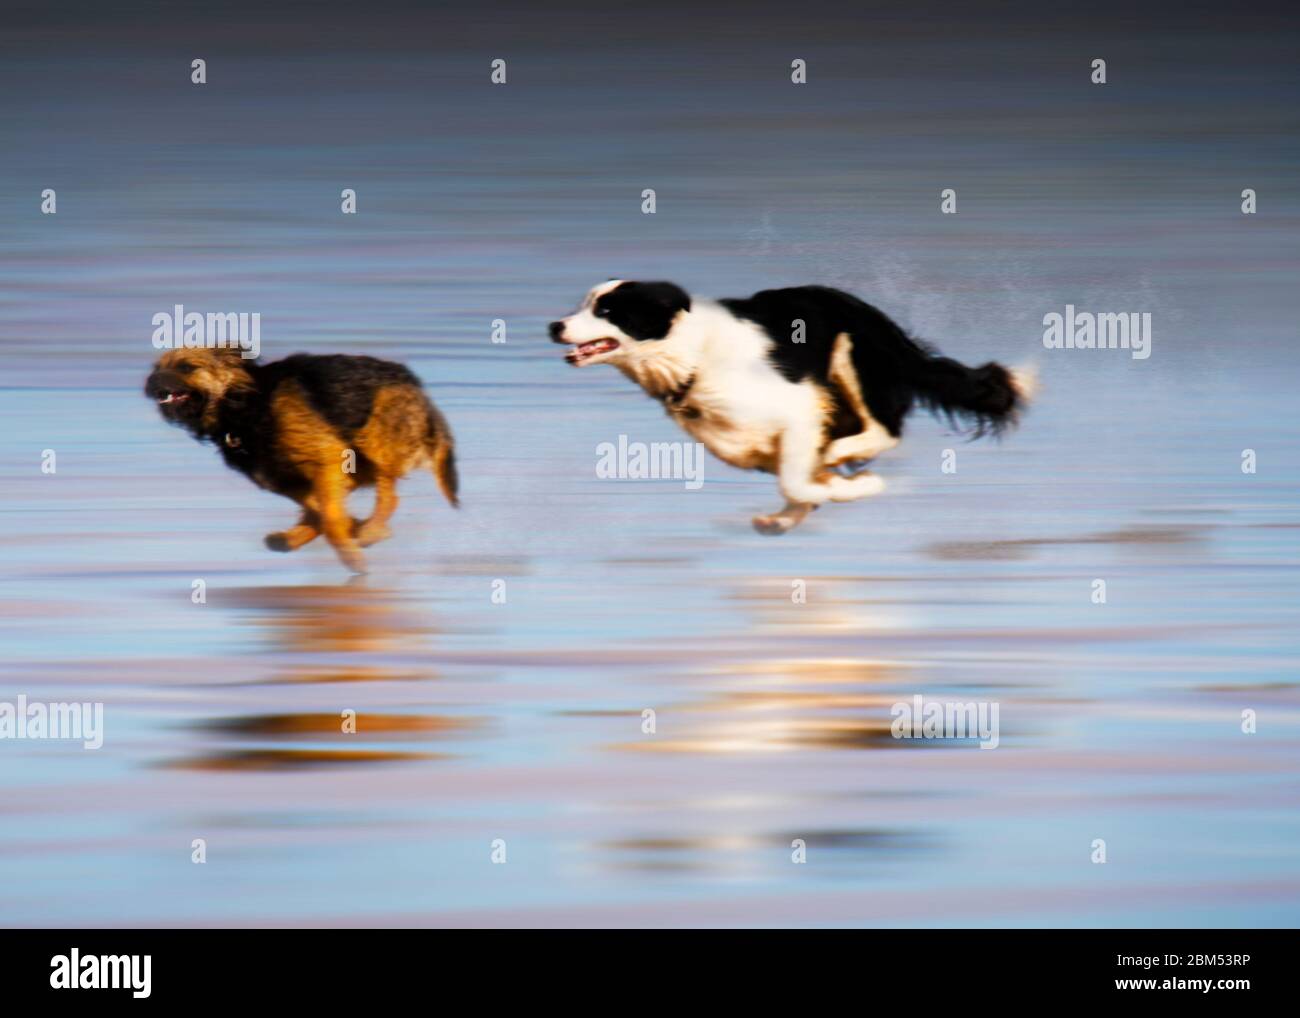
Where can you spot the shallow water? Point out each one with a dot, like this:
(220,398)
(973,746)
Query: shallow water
(522,721)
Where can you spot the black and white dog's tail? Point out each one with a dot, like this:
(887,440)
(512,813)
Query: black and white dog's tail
(897,371)
(894,370)
(990,397)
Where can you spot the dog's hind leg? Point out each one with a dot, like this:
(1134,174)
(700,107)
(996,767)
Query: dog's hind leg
(874,438)
(866,445)
(375,529)
(850,489)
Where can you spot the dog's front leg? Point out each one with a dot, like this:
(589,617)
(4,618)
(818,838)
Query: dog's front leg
(305,530)
(799,459)
(866,445)
(787,518)
(375,529)
(329,489)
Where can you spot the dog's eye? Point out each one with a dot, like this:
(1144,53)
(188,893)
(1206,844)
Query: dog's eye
(184,367)
(602,312)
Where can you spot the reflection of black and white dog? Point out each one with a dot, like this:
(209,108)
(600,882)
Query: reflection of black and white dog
(801,382)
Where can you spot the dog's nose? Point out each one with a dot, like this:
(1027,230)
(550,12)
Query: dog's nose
(159,383)
(557,332)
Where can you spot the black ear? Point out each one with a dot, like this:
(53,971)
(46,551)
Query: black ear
(645,310)
(668,296)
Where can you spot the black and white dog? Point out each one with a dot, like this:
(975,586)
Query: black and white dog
(800,382)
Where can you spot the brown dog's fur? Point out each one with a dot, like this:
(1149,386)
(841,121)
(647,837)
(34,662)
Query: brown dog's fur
(311,429)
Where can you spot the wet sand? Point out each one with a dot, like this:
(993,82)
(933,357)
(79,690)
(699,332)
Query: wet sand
(523,721)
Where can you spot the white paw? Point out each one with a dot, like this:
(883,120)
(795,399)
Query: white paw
(774,524)
(850,489)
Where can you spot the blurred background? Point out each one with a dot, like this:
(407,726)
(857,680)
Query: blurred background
(522,721)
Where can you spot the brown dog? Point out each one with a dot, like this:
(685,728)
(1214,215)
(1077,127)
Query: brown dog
(311,428)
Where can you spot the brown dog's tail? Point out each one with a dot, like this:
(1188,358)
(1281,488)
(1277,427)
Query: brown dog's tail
(443,459)
(441,447)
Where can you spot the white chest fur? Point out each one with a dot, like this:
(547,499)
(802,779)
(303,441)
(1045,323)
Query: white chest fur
(737,404)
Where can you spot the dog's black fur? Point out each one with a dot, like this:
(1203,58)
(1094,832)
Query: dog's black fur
(643,310)
(893,369)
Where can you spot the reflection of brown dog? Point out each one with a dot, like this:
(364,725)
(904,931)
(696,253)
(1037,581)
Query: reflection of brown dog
(312,429)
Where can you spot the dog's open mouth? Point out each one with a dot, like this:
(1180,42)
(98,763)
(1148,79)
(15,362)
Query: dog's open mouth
(178,404)
(585,351)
